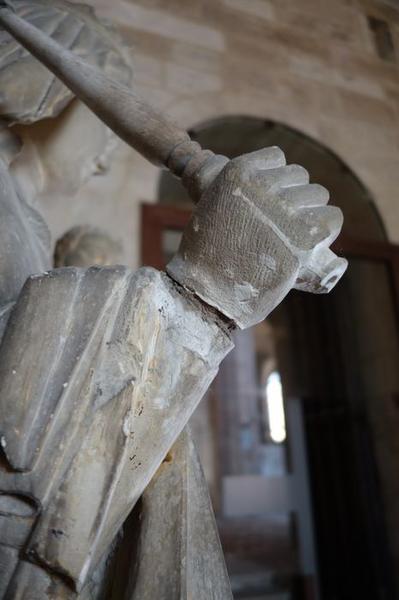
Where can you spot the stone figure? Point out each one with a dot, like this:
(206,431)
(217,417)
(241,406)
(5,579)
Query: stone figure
(101,368)
(175,508)
(86,246)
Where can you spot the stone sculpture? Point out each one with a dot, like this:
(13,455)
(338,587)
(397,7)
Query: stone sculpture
(85,246)
(75,27)
(173,524)
(101,368)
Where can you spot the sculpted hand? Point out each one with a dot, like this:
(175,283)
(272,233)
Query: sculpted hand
(259,230)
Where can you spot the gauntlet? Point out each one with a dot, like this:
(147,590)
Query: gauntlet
(259,230)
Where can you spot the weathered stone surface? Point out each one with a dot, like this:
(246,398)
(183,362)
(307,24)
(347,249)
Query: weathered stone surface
(85,246)
(24,239)
(287,228)
(85,440)
(28,91)
(178,552)
(8,561)
(177,549)
(10,144)
(166,24)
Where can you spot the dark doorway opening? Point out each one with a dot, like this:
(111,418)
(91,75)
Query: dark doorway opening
(325,521)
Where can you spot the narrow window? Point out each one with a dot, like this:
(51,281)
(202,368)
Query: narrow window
(275,407)
(382,38)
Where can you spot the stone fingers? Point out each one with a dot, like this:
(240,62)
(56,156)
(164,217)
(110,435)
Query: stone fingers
(305,196)
(275,179)
(296,207)
(324,223)
(264,159)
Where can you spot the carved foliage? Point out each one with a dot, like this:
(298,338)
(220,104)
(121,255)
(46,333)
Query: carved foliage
(29,92)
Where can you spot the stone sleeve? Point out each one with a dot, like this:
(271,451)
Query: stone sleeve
(127,358)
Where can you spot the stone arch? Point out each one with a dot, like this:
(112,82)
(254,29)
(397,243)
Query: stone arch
(233,135)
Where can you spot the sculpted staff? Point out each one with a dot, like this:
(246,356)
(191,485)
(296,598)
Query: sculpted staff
(101,368)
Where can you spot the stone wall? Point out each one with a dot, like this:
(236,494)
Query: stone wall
(310,64)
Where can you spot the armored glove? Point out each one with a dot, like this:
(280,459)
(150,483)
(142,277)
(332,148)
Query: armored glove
(259,230)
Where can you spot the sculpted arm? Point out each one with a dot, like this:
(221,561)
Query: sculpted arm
(121,361)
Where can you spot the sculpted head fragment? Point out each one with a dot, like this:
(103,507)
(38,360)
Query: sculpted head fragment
(84,246)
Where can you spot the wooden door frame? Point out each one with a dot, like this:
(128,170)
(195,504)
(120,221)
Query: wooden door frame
(155,219)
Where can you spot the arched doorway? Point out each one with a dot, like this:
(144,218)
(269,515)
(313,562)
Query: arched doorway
(307,512)
(237,135)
